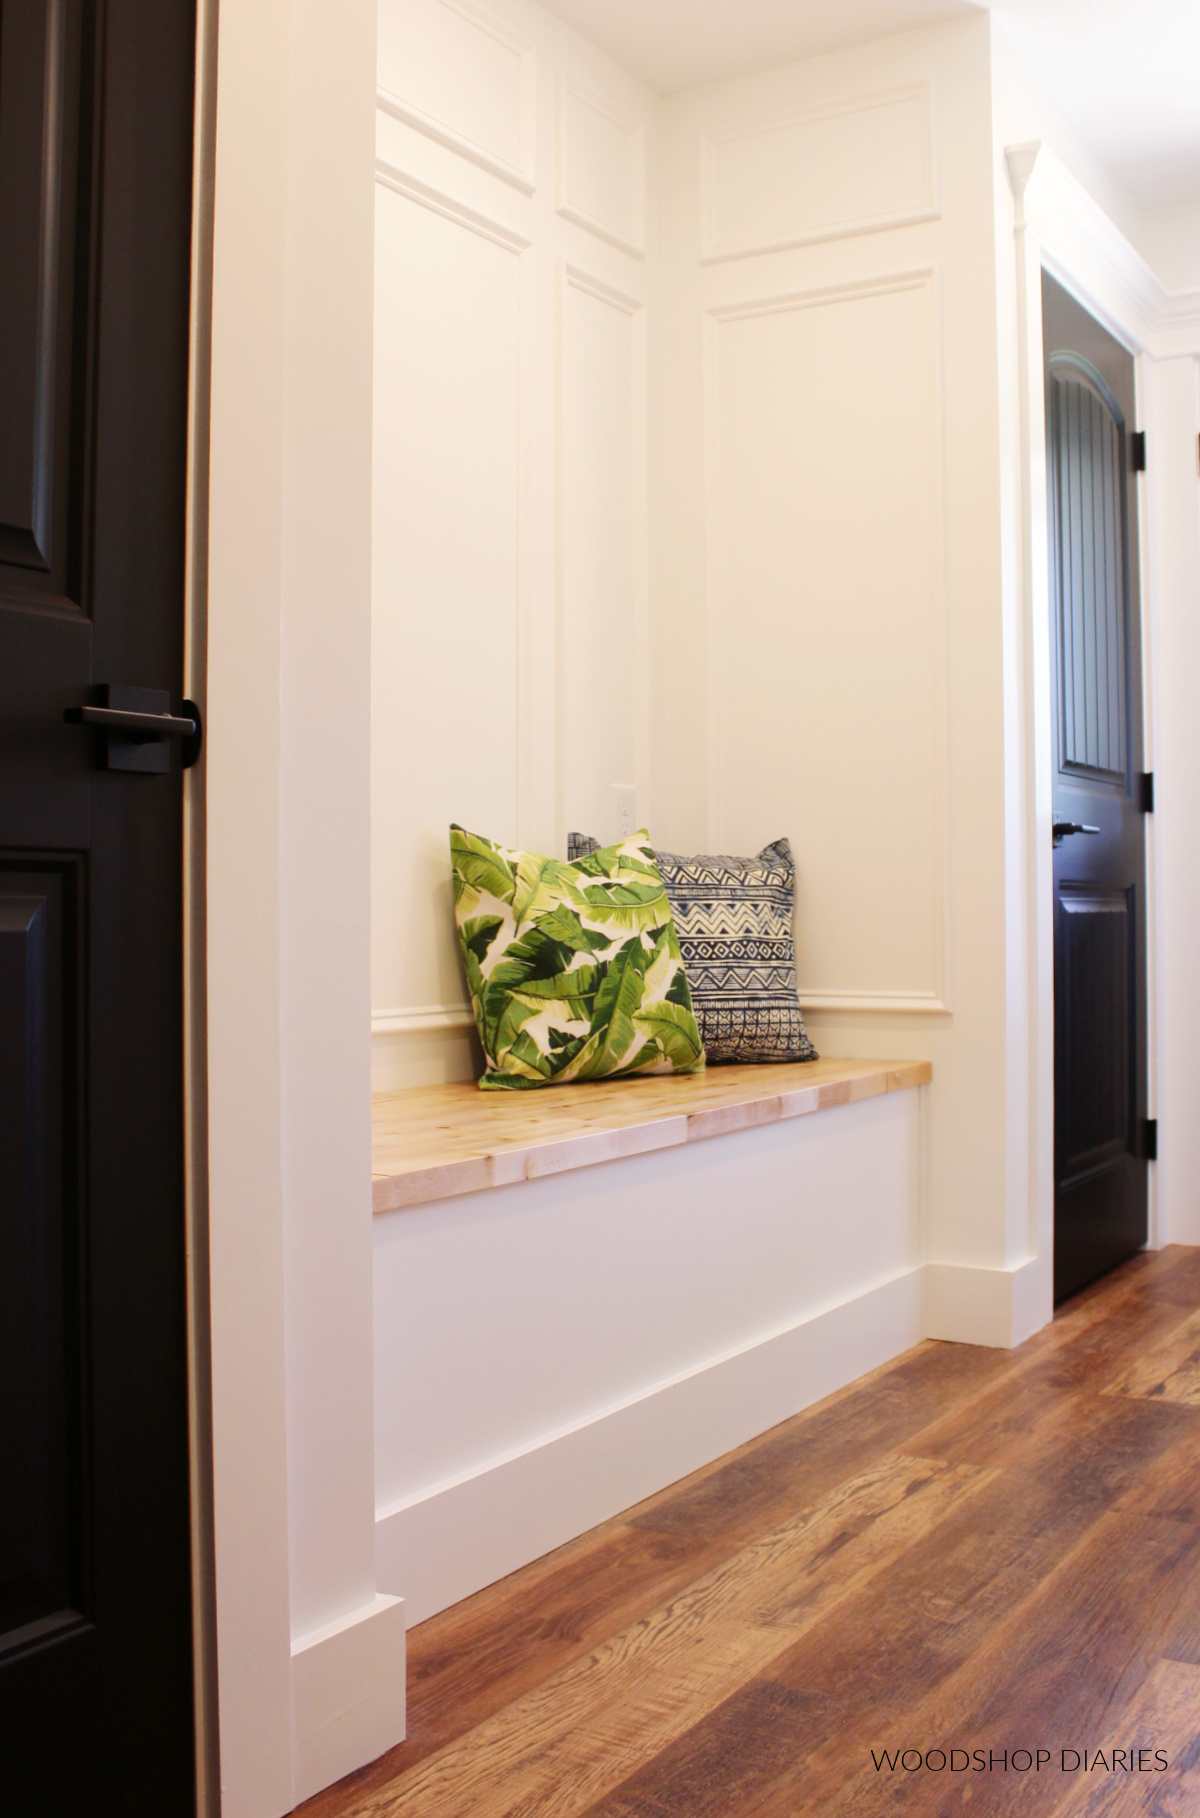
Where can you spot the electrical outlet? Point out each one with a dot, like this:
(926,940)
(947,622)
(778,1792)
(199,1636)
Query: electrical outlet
(625,809)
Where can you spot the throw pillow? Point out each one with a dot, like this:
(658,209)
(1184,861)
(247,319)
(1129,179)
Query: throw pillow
(574,969)
(734,920)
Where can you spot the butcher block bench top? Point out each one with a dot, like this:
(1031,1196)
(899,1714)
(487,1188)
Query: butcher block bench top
(432,1142)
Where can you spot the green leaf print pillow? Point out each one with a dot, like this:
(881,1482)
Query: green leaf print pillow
(573,968)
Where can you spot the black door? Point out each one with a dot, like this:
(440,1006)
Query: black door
(1099,858)
(95,214)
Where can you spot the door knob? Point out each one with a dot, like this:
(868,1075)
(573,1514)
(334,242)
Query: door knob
(137,723)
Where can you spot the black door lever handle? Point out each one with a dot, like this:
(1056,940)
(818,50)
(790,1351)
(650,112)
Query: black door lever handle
(136,725)
(118,719)
(1062,828)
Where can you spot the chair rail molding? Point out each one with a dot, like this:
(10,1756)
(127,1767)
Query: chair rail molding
(421,1017)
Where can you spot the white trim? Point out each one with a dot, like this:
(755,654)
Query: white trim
(603,293)
(1061,229)
(348,1694)
(920,1003)
(522,174)
(578,217)
(938,1001)
(408,115)
(1036,683)
(1084,249)
(633,243)
(420,1017)
(488,228)
(572,277)
(775,305)
(970,1305)
(714,253)
(451,1538)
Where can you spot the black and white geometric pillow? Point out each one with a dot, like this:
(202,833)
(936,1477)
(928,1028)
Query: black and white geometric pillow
(733,917)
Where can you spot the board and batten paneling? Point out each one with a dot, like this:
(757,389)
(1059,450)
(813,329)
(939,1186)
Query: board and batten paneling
(465,78)
(600,166)
(602,627)
(837,505)
(825,509)
(511,487)
(446,579)
(821,172)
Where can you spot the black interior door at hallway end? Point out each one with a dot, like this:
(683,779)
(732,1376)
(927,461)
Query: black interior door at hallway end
(95,221)
(1100,1196)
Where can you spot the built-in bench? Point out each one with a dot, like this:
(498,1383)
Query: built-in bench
(433,1142)
(548,1355)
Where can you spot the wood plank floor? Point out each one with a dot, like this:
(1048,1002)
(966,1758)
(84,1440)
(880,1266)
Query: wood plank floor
(969,1549)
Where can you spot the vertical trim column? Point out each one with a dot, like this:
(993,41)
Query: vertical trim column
(242,759)
(1037,759)
(310,1658)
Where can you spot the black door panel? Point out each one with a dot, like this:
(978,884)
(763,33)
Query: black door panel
(96,109)
(1099,865)
(1095,946)
(41,1400)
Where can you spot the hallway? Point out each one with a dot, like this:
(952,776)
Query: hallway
(969,1549)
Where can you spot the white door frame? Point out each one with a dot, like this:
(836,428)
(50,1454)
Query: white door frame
(1059,228)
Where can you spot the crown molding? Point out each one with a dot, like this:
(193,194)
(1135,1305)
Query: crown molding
(1081,245)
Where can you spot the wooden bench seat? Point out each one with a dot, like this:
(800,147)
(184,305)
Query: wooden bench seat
(431,1142)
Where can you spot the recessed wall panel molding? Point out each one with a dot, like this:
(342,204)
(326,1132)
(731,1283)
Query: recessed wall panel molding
(828,702)
(463,78)
(600,162)
(450,578)
(602,635)
(847,167)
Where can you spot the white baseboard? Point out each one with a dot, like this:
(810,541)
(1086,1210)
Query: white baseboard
(347,1694)
(975,1306)
(456,1537)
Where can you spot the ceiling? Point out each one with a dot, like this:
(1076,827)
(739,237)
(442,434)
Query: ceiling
(1126,73)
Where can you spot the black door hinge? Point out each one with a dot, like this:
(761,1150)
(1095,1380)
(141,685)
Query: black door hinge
(1145,791)
(1149,1139)
(1137,451)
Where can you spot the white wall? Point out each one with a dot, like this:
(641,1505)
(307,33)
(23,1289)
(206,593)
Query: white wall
(516,316)
(1169,240)
(310,1661)
(834,581)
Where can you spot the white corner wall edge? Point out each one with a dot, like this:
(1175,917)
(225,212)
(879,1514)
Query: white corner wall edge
(348,1703)
(979,1306)
(460,1536)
